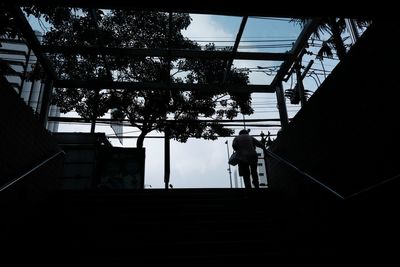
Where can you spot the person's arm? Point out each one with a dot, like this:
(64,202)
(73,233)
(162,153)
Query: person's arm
(258,143)
(234,144)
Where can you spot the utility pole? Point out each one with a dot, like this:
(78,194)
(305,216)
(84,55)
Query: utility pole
(166,156)
(229,166)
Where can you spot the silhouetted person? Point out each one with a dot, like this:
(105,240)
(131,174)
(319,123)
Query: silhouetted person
(245,147)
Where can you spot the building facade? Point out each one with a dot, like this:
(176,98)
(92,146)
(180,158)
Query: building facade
(20,62)
(262,171)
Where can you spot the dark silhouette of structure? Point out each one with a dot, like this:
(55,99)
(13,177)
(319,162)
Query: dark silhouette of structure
(328,209)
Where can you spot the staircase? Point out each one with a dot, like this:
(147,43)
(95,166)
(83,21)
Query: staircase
(184,226)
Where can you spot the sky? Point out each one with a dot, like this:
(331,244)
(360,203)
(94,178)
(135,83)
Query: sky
(201,163)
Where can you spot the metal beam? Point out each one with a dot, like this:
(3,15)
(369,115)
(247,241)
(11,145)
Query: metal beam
(220,7)
(235,48)
(300,85)
(14,62)
(296,50)
(310,63)
(32,41)
(46,100)
(175,53)
(12,52)
(79,119)
(159,137)
(280,96)
(138,86)
(167,158)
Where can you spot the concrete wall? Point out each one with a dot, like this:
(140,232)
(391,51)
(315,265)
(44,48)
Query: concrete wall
(24,143)
(348,133)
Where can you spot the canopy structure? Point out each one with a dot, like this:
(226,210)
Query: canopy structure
(287,58)
(290,60)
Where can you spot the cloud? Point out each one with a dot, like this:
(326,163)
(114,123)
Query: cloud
(206,26)
(199,162)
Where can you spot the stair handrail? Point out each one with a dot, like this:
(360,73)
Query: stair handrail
(369,188)
(272,154)
(13,181)
(366,189)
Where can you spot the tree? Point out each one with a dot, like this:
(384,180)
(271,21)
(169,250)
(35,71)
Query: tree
(7,24)
(147,109)
(334,27)
(73,27)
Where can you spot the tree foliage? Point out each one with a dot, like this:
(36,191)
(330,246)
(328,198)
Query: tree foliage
(334,27)
(147,109)
(7,24)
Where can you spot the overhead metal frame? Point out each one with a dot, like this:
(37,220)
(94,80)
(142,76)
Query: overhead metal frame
(295,53)
(220,7)
(287,58)
(40,50)
(235,48)
(296,50)
(141,86)
(170,121)
(154,52)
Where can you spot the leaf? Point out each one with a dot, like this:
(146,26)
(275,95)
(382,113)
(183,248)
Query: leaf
(325,51)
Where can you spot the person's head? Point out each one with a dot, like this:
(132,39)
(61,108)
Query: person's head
(244,131)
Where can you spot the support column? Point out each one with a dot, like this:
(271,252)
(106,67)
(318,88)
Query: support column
(166,157)
(300,85)
(94,114)
(46,99)
(280,97)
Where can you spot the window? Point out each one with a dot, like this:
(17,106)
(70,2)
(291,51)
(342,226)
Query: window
(261,174)
(259,164)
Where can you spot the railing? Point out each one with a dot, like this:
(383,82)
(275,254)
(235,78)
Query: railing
(44,162)
(369,188)
(275,156)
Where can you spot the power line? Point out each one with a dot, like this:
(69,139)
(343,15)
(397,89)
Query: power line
(78,119)
(162,137)
(247,37)
(249,41)
(272,18)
